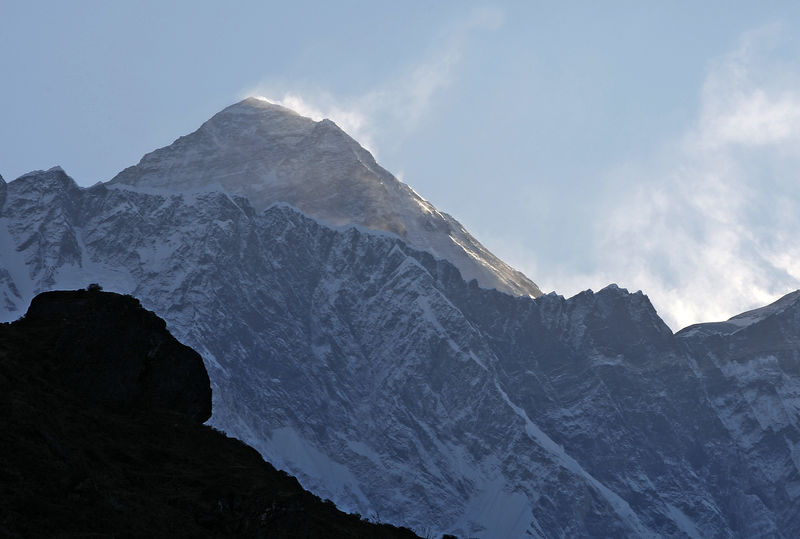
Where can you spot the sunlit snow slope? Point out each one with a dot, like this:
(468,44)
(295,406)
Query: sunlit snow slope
(270,154)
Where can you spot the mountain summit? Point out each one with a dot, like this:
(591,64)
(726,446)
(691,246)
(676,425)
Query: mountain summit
(271,154)
(383,381)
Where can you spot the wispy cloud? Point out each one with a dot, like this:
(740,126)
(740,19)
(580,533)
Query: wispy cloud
(394,108)
(748,99)
(709,229)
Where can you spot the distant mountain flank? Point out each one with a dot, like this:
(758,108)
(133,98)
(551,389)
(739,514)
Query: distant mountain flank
(268,153)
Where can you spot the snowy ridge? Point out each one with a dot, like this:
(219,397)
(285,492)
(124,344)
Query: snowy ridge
(757,315)
(270,154)
(619,505)
(744,320)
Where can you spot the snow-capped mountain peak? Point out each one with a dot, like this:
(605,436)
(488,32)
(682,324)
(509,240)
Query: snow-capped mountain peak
(385,382)
(270,154)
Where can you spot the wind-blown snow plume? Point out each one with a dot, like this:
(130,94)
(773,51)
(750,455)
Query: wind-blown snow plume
(392,109)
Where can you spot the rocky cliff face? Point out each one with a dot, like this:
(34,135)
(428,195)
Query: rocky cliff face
(749,371)
(100,412)
(387,383)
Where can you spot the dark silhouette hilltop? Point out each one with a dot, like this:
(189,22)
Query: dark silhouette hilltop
(101,433)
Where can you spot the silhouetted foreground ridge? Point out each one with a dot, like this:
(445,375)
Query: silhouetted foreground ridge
(101,435)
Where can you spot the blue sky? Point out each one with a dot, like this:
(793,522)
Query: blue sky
(651,144)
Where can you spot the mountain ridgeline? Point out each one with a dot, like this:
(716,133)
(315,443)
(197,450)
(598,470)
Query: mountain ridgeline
(353,347)
(269,154)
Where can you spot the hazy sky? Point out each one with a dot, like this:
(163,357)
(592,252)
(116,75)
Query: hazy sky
(651,144)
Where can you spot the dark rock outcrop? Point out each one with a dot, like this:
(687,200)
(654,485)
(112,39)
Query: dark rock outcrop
(99,436)
(112,351)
